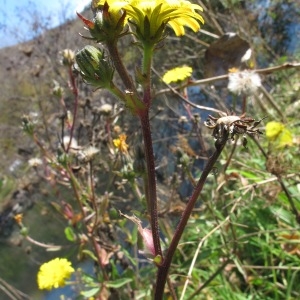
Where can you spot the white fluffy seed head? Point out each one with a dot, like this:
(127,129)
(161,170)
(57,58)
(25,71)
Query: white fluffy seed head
(245,82)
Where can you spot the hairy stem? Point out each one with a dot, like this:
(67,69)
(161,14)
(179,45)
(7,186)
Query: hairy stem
(165,266)
(118,63)
(150,180)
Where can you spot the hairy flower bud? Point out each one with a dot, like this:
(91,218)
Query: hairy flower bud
(68,57)
(107,24)
(94,68)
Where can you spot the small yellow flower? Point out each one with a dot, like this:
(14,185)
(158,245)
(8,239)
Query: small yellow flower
(233,70)
(177,74)
(276,132)
(273,129)
(120,143)
(54,273)
(18,218)
(285,139)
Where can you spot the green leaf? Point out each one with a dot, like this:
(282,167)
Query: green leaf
(118,283)
(250,175)
(282,214)
(90,254)
(90,293)
(129,256)
(158,259)
(70,235)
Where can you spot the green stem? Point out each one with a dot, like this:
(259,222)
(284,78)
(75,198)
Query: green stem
(116,91)
(147,58)
(147,62)
(165,266)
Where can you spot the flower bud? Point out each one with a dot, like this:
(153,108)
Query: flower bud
(107,24)
(57,90)
(68,57)
(28,125)
(94,68)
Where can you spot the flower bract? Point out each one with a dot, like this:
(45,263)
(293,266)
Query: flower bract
(106,25)
(177,74)
(54,273)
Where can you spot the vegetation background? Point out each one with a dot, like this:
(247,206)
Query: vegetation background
(243,240)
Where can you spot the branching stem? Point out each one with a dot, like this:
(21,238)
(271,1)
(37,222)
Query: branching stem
(164,268)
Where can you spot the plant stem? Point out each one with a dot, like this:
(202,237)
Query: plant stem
(75,93)
(279,179)
(130,95)
(210,279)
(118,63)
(147,62)
(164,267)
(150,180)
(77,191)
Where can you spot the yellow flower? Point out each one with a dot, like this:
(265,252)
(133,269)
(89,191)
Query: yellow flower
(285,139)
(120,143)
(233,70)
(273,129)
(54,273)
(177,74)
(151,17)
(18,218)
(276,132)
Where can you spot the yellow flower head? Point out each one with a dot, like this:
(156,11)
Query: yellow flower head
(54,273)
(177,74)
(120,143)
(151,16)
(18,218)
(278,134)
(273,129)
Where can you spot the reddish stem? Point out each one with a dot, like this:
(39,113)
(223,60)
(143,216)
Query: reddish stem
(151,180)
(165,266)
